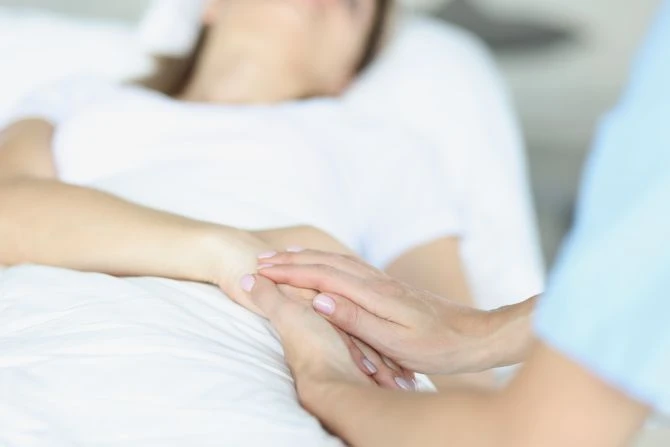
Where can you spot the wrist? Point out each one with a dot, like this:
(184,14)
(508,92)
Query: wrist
(317,395)
(510,334)
(226,254)
(482,331)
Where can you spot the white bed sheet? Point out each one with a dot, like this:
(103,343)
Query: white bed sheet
(89,359)
(93,360)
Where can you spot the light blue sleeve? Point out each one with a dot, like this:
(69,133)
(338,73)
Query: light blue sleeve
(608,302)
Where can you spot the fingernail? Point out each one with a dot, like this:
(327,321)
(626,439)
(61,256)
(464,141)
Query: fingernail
(324,304)
(267,254)
(264,266)
(247,283)
(404,384)
(372,369)
(294,249)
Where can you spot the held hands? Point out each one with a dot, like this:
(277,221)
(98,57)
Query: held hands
(233,253)
(314,349)
(419,330)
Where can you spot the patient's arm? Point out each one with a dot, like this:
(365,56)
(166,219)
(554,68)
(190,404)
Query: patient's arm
(44,221)
(437,267)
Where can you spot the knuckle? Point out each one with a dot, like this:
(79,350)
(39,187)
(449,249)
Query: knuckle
(351,317)
(323,277)
(285,258)
(325,271)
(340,259)
(349,258)
(387,288)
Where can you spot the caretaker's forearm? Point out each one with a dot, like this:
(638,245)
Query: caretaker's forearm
(371,416)
(551,402)
(51,223)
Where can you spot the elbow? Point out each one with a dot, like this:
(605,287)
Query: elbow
(15,220)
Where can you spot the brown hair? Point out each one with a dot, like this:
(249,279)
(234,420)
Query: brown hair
(173,73)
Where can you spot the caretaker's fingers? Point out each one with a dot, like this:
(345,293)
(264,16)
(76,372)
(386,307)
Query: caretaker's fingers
(342,262)
(363,292)
(374,330)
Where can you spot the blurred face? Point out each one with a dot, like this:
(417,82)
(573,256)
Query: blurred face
(312,46)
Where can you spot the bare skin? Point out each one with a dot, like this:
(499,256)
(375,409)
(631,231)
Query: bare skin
(421,330)
(527,413)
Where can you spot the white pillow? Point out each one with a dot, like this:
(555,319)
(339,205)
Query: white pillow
(38,47)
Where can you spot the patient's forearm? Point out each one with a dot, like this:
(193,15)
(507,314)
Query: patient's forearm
(51,223)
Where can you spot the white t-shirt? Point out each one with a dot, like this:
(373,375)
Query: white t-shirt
(309,162)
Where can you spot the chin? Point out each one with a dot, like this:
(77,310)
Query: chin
(265,16)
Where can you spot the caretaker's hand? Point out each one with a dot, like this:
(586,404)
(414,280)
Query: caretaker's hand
(313,347)
(233,253)
(419,330)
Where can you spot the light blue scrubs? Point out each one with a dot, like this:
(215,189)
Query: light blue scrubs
(608,303)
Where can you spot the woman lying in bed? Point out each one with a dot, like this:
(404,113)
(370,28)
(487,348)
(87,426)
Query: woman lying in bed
(174,184)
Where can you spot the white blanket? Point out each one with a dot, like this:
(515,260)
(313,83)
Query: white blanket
(88,359)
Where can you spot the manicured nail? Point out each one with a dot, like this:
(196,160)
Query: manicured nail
(404,384)
(294,249)
(267,255)
(372,369)
(265,266)
(324,304)
(247,283)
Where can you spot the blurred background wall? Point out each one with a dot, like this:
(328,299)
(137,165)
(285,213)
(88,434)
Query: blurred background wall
(561,91)
(560,88)
(118,9)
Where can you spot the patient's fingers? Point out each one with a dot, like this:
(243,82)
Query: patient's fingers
(344,263)
(357,354)
(331,280)
(265,295)
(382,372)
(408,375)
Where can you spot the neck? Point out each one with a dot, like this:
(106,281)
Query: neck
(234,78)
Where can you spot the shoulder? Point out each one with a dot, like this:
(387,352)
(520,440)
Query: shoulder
(57,100)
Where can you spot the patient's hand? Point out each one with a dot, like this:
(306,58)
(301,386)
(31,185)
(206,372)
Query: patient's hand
(251,244)
(315,349)
(385,371)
